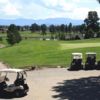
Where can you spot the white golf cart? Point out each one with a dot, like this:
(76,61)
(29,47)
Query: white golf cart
(76,63)
(18,88)
(90,61)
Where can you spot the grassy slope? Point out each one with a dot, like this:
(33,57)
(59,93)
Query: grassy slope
(30,52)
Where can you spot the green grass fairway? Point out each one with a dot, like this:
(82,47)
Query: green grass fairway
(48,53)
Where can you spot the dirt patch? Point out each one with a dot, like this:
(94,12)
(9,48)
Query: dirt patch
(2,65)
(2,46)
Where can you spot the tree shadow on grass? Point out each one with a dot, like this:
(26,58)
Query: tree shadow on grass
(78,89)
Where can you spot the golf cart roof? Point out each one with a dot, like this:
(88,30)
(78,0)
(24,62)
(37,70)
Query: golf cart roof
(12,70)
(90,53)
(77,55)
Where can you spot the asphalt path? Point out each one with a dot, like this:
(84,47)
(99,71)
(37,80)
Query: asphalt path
(60,84)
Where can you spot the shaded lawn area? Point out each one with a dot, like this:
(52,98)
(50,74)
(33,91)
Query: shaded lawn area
(78,89)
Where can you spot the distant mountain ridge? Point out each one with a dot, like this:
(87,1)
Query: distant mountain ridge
(49,21)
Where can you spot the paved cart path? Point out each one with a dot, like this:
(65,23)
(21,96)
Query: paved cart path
(2,45)
(2,65)
(60,84)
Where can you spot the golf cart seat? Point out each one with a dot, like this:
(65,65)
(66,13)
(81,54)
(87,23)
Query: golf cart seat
(19,81)
(2,82)
(76,63)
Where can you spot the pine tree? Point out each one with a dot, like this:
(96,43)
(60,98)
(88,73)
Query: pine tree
(13,35)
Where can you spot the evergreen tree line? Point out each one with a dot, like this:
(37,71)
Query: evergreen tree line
(89,29)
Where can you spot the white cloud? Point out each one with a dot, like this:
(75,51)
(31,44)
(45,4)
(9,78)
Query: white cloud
(80,13)
(75,9)
(62,4)
(50,2)
(10,9)
(69,8)
(4,1)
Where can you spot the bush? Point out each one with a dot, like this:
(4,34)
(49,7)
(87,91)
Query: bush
(13,35)
(77,37)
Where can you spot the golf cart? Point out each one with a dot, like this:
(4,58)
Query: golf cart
(76,63)
(98,65)
(90,61)
(19,86)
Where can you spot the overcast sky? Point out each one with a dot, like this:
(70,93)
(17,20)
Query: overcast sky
(42,9)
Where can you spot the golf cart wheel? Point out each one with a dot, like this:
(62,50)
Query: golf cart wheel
(18,93)
(26,89)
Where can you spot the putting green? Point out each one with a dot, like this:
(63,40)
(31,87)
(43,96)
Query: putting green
(65,46)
